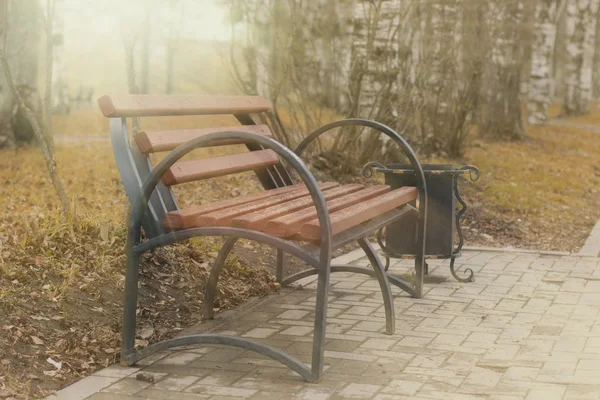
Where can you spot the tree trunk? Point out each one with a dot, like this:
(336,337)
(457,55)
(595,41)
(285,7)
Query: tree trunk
(176,12)
(540,78)
(374,68)
(503,115)
(580,36)
(596,62)
(28,115)
(169,70)
(145,51)
(23,43)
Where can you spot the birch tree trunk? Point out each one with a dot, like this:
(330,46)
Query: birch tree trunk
(444,113)
(503,116)
(542,55)
(374,66)
(33,120)
(596,62)
(23,46)
(374,57)
(580,28)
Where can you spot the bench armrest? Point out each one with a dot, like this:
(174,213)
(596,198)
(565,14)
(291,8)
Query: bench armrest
(403,144)
(141,203)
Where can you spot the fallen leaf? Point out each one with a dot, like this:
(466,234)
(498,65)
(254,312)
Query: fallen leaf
(104,232)
(57,365)
(37,340)
(147,332)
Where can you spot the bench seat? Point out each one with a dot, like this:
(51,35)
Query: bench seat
(289,212)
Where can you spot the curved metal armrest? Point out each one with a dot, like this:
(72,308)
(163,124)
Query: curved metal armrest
(420,175)
(141,203)
(389,132)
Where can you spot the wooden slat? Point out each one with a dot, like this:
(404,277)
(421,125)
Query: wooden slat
(143,105)
(225,216)
(186,218)
(258,219)
(194,170)
(288,225)
(153,142)
(351,216)
(364,229)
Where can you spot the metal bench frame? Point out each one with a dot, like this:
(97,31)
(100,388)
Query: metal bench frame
(151,199)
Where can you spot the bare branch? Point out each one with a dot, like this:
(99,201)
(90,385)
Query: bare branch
(32,119)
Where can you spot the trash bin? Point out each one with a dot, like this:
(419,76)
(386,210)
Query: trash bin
(443,218)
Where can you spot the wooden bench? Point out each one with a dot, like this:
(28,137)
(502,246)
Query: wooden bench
(306,219)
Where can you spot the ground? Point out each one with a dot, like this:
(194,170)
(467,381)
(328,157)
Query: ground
(61,281)
(528,328)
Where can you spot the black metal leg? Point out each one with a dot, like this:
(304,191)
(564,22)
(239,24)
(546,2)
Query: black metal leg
(387,263)
(318,353)
(386,293)
(279,271)
(130,306)
(469,271)
(211,285)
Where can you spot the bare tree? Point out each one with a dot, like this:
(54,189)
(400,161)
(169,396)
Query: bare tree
(48,100)
(426,68)
(503,115)
(596,61)
(541,83)
(129,41)
(24,45)
(145,30)
(176,15)
(581,16)
(31,117)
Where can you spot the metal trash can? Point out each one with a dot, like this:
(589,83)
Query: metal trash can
(398,240)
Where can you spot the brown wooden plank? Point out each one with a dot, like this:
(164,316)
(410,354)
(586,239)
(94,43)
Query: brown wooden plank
(364,229)
(288,225)
(258,219)
(225,216)
(194,170)
(186,218)
(359,213)
(144,105)
(153,142)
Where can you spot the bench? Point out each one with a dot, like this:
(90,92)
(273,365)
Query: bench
(306,219)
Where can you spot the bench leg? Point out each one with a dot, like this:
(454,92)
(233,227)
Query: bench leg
(318,353)
(279,271)
(213,279)
(382,277)
(129,308)
(130,356)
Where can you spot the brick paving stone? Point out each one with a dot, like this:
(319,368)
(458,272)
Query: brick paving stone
(260,333)
(582,392)
(403,387)
(127,386)
(528,328)
(378,344)
(359,391)
(220,390)
(180,358)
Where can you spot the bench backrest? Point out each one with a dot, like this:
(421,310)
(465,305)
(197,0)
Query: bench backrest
(133,159)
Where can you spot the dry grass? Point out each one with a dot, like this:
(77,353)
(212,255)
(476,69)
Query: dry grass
(542,192)
(61,282)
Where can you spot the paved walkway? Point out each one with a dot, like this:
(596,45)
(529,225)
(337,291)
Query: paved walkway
(527,328)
